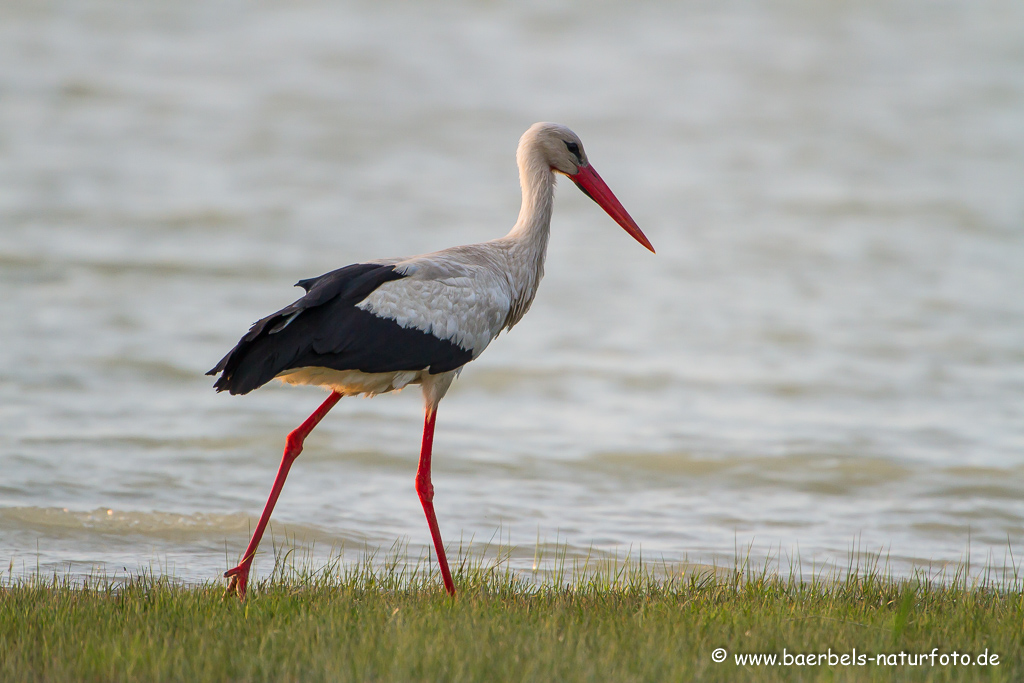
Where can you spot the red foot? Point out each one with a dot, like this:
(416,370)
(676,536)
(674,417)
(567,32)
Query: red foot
(239,577)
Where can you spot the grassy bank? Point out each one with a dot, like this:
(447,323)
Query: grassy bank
(615,623)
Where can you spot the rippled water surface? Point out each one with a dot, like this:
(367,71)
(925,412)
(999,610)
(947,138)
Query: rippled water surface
(827,351)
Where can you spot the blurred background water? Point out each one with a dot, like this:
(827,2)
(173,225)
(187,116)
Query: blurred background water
(827,352)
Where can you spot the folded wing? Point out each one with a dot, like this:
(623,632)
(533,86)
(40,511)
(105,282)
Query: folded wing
(328,328)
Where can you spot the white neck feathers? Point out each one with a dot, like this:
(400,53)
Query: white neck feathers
(527,242)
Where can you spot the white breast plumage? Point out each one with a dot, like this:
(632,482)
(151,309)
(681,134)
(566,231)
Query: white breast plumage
(467,309)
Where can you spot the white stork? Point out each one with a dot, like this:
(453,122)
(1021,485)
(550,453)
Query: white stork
(376,327)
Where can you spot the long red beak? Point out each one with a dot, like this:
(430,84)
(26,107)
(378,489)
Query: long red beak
(587,180)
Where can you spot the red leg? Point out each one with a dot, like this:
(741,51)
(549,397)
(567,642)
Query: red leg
(426,492)
(240,575)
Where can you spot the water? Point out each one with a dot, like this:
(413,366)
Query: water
(827,351)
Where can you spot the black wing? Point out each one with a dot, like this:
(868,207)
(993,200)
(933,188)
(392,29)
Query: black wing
(325,329)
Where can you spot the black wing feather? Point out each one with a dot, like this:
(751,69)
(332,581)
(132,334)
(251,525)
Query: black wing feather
(325,329)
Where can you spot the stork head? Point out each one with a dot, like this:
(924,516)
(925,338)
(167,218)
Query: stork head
(562,151)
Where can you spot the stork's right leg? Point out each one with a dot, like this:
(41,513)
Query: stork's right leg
(239,575)
(425,489)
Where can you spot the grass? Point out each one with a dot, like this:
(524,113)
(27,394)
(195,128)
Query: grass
(614,621)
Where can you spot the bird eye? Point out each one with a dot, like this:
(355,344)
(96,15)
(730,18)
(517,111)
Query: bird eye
(573,148)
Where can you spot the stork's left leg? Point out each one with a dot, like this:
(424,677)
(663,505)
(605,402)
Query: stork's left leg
(239,576)
(425,489)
